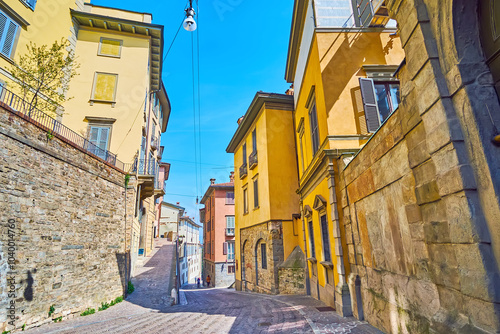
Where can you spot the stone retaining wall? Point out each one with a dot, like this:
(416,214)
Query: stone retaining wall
(66,211)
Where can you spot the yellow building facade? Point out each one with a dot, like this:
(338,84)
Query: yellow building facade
(344,89)
(24,21)
(118,102)
(265,199)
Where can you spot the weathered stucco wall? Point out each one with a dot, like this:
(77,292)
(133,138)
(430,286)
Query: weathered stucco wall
(419,201)
(68,229)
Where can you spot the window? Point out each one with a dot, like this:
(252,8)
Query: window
(8,34)
(256,193)
(313,121)
(263,252)
(230,225)
(380,99)
(244,154)
(254,140)
(326,239)
(230,269)
(30,3)
(104,87)
(99,137)
(245,201)
(311,239)
(110,47)
(230,198)
(229,250)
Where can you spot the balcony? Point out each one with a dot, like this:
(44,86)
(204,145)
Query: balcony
(372,13)
(159,155)
(253,160)
(230,232)
(155,143)
(159,188)
(243,171)
(147,174)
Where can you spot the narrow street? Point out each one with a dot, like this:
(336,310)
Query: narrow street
(214,310)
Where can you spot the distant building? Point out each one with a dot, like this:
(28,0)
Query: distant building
(162,178)
(190,257)
(170,216)
(219,230)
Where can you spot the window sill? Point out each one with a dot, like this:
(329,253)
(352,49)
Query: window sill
(312,260)
(110,56)
(327,264)
(256,208)
(7,58)
(92,101)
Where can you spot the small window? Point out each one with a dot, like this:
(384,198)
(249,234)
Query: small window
(245,201)
(30,3)
(326,238)
(110,47)
(230,269)
(8,33)
(254,140)
(256,193)
(230,251)
(263,255)
(313,121)
(105,87)
(230,222)
(311,239)
(380,99)
(230,198)
(244,154)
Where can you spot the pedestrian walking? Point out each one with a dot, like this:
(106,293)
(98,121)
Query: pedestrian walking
(208,281)
(198,282)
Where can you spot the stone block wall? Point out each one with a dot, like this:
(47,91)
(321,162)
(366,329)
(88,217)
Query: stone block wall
(268,280)
(292,281)
(419,202)
(62,212)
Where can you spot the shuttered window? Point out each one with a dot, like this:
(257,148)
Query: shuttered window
(224,248)
(244,154)
(254,140)
(369,104)
(8,32)
(311,239)
(313,121)
(245,201)
(256,193)
(326,239)
(263,255)
(380,99)
(110,47)
(30,3)
(99,137)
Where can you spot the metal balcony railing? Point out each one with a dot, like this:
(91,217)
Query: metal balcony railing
(243,171)
(53,127)
(145,167)
(230,231)
(253,160)
(160,153)
(159,185)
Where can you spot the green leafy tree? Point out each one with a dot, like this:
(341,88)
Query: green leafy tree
(43,74)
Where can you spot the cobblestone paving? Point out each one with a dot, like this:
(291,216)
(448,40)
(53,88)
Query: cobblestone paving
(211,310)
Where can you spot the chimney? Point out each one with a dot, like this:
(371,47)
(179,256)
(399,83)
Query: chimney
(290,90)
(240,119)
(231,177)
(212,181)
(178,203)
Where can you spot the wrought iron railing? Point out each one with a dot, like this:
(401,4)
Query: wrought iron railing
(155,143)
(243,171)
(56,128)
(253,160)
(159,185)
(160,153)
(145,167)
(230,231)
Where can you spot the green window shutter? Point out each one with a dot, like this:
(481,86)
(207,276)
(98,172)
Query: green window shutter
(370,104)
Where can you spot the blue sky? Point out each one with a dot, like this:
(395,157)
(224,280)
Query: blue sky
(243,49)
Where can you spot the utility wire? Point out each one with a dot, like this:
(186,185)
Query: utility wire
(199,89)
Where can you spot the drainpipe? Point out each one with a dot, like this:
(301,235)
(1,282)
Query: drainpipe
(308,283)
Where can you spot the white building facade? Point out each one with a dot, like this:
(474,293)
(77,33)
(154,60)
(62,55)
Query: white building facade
(190,256)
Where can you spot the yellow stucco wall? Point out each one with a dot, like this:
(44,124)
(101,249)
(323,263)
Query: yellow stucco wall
(277,177)
(333,69)
(49,22)
(133,82)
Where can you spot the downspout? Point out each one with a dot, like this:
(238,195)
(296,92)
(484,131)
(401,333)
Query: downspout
(308,283)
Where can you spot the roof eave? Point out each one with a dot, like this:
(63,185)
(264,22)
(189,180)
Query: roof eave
(298,21)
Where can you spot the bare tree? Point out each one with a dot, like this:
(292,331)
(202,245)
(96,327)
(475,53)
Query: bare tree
(44,73)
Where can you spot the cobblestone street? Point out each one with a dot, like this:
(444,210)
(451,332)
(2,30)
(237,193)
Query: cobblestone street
(214,310)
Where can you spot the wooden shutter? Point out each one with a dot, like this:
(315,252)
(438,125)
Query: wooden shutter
(8,32)
(224,250)
(370,104)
